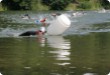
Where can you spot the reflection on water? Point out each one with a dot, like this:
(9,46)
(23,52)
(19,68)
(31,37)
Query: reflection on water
(58,42)
(89,74)
(69,55)
(62,48)
(42,41)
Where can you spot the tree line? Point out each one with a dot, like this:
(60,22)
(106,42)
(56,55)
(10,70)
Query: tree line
(52,4)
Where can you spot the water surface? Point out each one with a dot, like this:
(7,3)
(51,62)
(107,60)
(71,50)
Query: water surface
(82,49)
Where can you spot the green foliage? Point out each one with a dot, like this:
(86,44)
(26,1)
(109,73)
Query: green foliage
(71,6)
(11,4)
(16,4)
(105,4)
(37,5)
(54,4)
(57,4)
(84,5)
(25,4)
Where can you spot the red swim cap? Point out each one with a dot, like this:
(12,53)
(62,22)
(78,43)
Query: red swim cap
(43,20)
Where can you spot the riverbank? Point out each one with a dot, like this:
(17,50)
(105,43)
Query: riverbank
(79,5)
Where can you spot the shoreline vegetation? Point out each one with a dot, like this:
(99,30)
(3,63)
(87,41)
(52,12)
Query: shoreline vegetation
(40,5)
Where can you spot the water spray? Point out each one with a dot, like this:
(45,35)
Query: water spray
(109,0)
(0,0)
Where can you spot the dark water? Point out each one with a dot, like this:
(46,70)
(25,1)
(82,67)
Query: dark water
(84,49)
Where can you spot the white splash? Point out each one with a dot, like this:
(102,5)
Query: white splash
(1,74)
(108,73)
(0,0)
(109,0)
